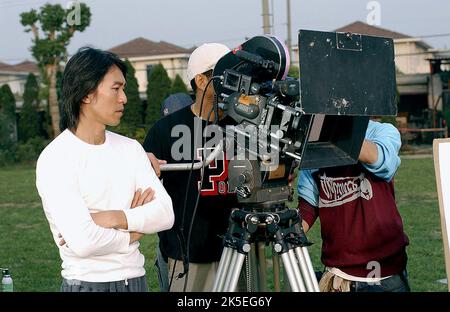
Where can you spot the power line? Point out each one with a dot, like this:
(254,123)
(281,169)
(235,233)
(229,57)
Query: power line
(435,36)
(418,36)
(189,45)
(422,53)
(246,37)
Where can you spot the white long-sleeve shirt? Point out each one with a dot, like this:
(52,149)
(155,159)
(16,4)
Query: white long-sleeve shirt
(74,179)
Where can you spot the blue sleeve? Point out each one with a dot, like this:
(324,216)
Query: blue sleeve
(307,187)
(387,139)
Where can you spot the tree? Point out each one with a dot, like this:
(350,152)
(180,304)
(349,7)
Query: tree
(8,111)
(7,144)
(178,85)
(158,89)
(7,102)
(392,119)
(29,118)
(133,109)
(132,118)
(57,27)
(59,76)
(294,71)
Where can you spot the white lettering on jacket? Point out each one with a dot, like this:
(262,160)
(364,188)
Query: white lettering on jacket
(338,191)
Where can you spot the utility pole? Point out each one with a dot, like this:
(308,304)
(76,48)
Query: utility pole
(266,16)
(289,39)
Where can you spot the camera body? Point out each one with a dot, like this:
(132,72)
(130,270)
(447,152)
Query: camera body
(318,120)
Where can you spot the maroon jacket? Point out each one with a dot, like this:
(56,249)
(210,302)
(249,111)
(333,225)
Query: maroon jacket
(359,221)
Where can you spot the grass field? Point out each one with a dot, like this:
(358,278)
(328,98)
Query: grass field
(27,248)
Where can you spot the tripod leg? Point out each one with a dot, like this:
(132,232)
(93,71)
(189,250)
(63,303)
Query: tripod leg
(223,268)
(231,281)
(310,268)
(252,275)
(296,270)
(304,269)
(276,271)
(289,268)
(262,266)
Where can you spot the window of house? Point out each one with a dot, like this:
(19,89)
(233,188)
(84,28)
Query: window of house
(149,69)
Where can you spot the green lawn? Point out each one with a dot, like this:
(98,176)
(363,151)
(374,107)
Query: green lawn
(27,248)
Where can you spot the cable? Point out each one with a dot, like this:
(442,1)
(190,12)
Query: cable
(185,253)
(180,238)
(216,110)
(195,210)
(173,273)
(201,184)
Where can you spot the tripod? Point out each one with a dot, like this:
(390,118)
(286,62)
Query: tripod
(263,220)
(282,228)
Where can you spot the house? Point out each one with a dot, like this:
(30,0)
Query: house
(16,76)
(143,54)
(410,53)
(420,89)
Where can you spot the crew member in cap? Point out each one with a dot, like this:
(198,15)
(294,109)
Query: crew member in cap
(196,249)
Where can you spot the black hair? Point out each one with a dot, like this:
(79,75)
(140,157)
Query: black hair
(83,73)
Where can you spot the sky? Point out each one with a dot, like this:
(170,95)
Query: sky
(191,22)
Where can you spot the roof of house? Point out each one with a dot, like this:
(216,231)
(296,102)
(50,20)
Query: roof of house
(366,29)
(5,67)
(25,67)
(144,47)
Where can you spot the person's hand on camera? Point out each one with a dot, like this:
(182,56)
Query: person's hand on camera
(368,153)
(156,163)
(292,177)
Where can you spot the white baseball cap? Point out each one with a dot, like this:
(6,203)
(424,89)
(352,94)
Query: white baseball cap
(204,58)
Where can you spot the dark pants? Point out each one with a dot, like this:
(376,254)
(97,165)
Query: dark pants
(162,270)
(394,283)
(137,284)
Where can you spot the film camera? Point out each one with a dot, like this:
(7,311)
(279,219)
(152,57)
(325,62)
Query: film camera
(318,120)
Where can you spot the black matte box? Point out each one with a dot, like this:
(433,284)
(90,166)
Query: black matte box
(346,74)
(340,142)
(348,78)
